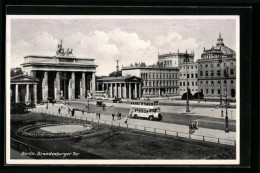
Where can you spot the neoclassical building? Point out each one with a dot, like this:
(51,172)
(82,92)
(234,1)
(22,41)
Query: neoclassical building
(121,86)
(211,68)
(63,75)
(156,80)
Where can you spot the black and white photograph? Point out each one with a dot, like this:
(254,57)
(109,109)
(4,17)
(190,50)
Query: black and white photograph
(123,89)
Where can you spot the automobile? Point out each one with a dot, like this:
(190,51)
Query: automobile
(117,100)
(223,106)
(30,105)
(18,108)
(100,104)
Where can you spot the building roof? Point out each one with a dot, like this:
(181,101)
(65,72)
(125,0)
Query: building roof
(120,78)
(25,79)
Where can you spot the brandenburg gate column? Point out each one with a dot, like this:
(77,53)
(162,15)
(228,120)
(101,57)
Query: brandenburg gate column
(93,83)
(35,93)
(124,90)
(83,84)
(116,90)
(57,86)
(45,86)
(16,93)
(130,90)
(27,94)
(111,89)
(135,90)
(73,85)
(120,90)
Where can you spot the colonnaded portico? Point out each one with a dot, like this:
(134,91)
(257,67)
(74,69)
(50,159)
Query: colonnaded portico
(62,76)
(121,87)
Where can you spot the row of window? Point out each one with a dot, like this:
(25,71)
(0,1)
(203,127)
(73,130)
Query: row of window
(156,91)
(189,67)
(190,75)
(192,90)
(218,64)
(212,73)
(161,83)
(146,76)
(213,82)
(192,83)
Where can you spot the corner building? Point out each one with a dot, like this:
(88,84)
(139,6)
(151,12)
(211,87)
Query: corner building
(211,68)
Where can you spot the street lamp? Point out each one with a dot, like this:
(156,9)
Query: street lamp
(186,56)
(226,118)
(220,64)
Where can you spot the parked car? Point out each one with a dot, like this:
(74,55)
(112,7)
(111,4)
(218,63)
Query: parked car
(100,104)
(30,105)
(117,100)
(223,106)
(18,108)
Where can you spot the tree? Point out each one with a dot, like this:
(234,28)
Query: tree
(184,96)
(16,71)
(115,74)
(195,96)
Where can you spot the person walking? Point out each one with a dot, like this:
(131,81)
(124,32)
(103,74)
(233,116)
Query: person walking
(196,124)
(190,128)
(46,105)
(113,117)
(59,110)
(125,119)
(72,112)
(82,112)
(99,115)
(119,115)
(69,110)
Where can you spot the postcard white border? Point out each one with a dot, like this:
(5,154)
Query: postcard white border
(121,162)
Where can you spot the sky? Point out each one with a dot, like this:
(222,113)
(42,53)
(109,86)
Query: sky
(109,39)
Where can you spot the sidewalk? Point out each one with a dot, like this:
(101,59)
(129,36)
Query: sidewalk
(150,125)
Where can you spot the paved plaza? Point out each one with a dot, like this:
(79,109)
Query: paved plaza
(150,125)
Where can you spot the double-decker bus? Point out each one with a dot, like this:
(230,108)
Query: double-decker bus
(145,109)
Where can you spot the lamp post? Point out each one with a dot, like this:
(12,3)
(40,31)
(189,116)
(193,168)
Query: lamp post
(226,118)
(186,56)
(220,64)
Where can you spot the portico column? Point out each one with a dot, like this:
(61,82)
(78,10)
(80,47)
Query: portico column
(103,87)
(140,89)
(135,90)
(93,83)
(120,90)
(45,86)
(57,86)
(116,90)
(124,90)
(83,85)
(16,93)
(111,90)
(35,93)
(130,90)
(73,85)
(27,94)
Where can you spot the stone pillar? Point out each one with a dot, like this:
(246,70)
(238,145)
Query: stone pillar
(83,85)
(35,93)
(116,90)
(73,85)
(93,83)
(27,94)
(17,93)
(69,90)
(57,86)
(45,86)
(124,91)
(135,90)
(120,91)
(130,90)
(111,90)
(140,90)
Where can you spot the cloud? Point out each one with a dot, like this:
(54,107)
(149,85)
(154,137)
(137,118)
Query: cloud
(174,41)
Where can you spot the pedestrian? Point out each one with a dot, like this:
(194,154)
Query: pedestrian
(125,119)
(205,100)
(196,124)
(82,112)
(99,115)
(72,112)
(52,102)
(59,110)
(190,128)
(69,110)
(46,105)
(119,115)
(113,116)
(104,106)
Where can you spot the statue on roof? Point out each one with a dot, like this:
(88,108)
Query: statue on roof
(60,50)
(69,52)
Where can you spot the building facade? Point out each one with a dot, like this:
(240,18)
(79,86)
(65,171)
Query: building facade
(121,86)
(174,59)
(188,71)
(62,76)
(211,71)
(157,80)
